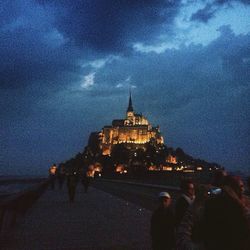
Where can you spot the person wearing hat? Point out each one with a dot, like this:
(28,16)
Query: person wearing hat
(163,224)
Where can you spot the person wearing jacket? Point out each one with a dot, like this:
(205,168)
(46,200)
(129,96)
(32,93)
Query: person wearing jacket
(163,224)
(189,235)
(71,184)
(226,218)
(184,201)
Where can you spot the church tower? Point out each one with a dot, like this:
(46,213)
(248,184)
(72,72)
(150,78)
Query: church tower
(130,110)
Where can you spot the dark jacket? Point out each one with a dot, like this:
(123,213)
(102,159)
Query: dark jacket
(189,235)
(72,181)
(225,224)
(162,229)
(181,207)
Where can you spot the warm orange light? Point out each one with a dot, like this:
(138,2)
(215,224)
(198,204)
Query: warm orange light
(180,168)
(153,168)
(90,173)
(52,170)
(167,168)
(188,171)
(171,159)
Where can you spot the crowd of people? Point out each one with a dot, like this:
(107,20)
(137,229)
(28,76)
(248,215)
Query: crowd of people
(58,174)
(204,217)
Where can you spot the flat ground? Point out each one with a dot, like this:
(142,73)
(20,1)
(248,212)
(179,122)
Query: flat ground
(96,220)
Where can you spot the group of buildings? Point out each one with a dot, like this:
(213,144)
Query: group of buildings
(136,135)
(134,131)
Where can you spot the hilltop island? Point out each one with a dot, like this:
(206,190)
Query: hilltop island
(132,146)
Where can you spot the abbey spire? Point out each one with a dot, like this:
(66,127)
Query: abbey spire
(130,106)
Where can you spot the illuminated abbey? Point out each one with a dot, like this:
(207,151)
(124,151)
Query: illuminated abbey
(134,131)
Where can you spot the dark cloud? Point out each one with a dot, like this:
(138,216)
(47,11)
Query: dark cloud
(234,52)
(205,14)
(37,37)
(221,2)
(210,9)
(27,58)
(198,94)
(113,25)
(31,49)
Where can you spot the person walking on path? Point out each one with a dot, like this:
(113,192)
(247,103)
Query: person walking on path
(52,175)
(163,224)
(86,180)
(185,200)
(60,173)
(72,183)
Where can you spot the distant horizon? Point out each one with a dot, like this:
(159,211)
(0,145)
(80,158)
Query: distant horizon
(43,171)
(245,173)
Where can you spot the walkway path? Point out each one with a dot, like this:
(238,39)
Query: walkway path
(96,220)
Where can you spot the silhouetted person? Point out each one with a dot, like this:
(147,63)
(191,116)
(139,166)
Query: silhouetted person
(163,224)
(52,175)
(248,185)
(60,176)
(86,180)
(189,235)
(226,222)
(185,200)
(219,178)
(72,183)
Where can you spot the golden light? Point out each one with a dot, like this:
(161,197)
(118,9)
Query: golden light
(153,168)
(188,171)
(52,170)
(90,173)
(180,168)
(167,168)
(120,169)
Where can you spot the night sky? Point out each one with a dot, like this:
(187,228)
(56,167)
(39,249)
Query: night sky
(66,68)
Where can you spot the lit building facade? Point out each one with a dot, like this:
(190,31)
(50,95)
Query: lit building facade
(133,130)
